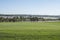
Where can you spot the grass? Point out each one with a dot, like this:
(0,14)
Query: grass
(30,31)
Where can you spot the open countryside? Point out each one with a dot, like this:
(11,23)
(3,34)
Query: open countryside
(29,19)
(30,31)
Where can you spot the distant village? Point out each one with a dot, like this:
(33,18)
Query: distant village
(22,17)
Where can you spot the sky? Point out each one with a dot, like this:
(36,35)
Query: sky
(33,7)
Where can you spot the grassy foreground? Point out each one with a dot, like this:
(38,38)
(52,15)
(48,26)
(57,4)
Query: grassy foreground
(30,31)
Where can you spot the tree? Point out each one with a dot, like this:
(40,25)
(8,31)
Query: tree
(1,19)
(34,19)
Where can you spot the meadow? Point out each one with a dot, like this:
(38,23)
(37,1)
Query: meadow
(30,31)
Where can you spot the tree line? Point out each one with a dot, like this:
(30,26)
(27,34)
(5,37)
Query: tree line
(19,19)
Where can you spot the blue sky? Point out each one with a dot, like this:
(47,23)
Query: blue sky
(33,7)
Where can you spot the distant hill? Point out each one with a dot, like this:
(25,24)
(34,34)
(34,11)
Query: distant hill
(30,15)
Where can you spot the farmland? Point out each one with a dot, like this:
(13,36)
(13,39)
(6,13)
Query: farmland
(30,31)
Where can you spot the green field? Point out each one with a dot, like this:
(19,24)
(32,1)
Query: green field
(30,31)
